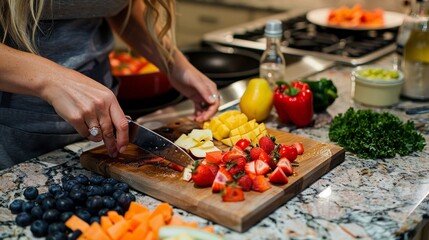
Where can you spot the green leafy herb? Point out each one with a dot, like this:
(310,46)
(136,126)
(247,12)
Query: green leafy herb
(375,135)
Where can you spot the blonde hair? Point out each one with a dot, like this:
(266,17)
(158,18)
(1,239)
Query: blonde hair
(19,21)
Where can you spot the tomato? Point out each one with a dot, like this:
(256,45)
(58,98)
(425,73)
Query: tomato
(123,63)
(288,151)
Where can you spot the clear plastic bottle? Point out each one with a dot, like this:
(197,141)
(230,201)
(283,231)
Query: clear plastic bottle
(272,63)
(415,62)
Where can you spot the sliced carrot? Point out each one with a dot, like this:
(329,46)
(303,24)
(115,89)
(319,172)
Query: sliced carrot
(156,222)
(114,216)
(105,222)
(95,232)
(118,229)
(165,210)
(135,208)
(126,236)
(139,219)
(75,223)
(209,229)
(141,231)
(176,221)
(151,236)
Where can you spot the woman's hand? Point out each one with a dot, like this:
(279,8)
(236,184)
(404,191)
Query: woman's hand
(86,104)
(197,87)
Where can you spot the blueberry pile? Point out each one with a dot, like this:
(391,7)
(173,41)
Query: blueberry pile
(87,197)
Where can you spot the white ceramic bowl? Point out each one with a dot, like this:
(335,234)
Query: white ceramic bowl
(376,90)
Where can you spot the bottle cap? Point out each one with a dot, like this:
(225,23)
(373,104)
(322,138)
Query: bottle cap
(273,28)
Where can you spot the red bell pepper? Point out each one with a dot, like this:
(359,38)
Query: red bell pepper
(294,103)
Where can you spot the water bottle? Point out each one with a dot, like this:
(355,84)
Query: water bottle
(415,64)
(272,63)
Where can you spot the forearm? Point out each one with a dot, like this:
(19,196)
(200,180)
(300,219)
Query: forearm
(25,73)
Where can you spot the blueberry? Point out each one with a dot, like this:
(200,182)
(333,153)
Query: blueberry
(78,196)
(16,206)
(107,189)
(61,194)
(117,193)
(125,200)
(27,206)
(42,197)
(37,212)
(94,219)
(84,214)
(109,202)
(31,193)
(94,190)
(39,228)
(51,215)
(55,188)
(56,227)
(103,212)
(94,203)
(67,186)
(119,210)
(65,216)
(82,179)
(57,236)
(121,186)
(65,204)
(110,181)
(67,178)
(48,203)
(74,235)
(23,219)
(96,179)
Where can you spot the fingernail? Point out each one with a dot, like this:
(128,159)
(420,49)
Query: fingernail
(122,149)
(212,98)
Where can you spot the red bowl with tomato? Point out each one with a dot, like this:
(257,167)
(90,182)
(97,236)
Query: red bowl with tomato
(138,78)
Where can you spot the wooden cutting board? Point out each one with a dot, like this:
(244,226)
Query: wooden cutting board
(144,172)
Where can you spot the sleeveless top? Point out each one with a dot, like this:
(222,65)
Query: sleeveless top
(74,34)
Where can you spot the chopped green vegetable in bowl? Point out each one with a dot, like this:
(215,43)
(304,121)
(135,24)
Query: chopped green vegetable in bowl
(378,73)
(370,134)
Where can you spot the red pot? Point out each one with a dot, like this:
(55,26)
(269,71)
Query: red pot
(142,86)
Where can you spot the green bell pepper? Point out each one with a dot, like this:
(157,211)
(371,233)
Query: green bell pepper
(324,93)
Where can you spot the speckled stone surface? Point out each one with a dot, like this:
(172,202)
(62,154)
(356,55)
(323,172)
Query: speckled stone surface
(360,198)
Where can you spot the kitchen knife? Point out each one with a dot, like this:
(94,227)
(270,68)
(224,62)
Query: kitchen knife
(154,143)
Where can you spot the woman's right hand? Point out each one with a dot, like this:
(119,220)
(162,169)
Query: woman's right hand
(85,103)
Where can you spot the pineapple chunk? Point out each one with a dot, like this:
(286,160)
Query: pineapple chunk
(227,141)
(225,115)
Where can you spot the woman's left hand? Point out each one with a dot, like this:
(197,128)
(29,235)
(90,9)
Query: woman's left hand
(197,87)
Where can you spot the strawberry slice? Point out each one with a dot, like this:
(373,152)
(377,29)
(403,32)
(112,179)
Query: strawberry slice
(250,168)
(255,152)
(233,194)
(278,176)
(285,165)
(245,182)
(261,167)
(299,148)
(203,175)
(214,157)
(234,153)
(243,143)
(236,165)
(268,159)
(260,184)
(222,177)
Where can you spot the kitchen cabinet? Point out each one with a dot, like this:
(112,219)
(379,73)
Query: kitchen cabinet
(195,19)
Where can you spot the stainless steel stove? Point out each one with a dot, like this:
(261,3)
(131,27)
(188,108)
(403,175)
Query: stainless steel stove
(303,38)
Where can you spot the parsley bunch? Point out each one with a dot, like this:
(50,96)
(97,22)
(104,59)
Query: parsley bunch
(375,135)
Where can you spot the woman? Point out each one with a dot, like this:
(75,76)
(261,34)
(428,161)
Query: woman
(55,81)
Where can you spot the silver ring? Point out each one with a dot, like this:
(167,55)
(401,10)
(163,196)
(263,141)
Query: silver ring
(94,131)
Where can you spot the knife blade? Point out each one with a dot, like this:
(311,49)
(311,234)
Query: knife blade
(157,144)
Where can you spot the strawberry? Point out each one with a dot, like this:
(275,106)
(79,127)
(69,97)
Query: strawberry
(234,153)
(250,167)
(278,176)
(236,165)
(214,157)
(299,147)
(245,182)
(286,166)
(267,143)
(232,194)
(222,177)
(268,159)
(261,167)
(289,152)
(260,184)
(243,143)
(255,152)
(203,175)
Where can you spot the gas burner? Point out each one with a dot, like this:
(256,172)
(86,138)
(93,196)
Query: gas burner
(303,38)
(138,108)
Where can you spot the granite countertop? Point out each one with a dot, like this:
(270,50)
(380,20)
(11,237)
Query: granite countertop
(360,198)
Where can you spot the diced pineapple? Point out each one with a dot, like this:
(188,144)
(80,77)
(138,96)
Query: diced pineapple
(225,115)
(235,139)
(206,125)
(227,141)
(234,132)
(245,128)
